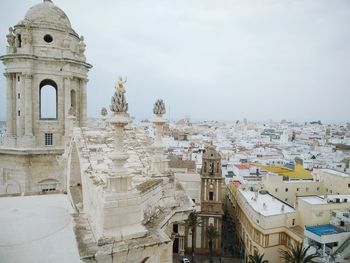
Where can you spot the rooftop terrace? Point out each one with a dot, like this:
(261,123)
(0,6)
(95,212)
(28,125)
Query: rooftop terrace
(324,230)
(320,200)
(266,204)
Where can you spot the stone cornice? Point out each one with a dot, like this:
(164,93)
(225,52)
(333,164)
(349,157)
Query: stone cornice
(34,151)
(7,74)
(27,75)
(34,57)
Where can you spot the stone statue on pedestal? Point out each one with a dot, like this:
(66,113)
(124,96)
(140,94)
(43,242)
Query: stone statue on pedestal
(81,47)
(11,38)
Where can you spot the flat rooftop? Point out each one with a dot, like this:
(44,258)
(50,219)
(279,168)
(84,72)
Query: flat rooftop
(320,200)
(324,230)
(334,172)
(272,205)
(35,229)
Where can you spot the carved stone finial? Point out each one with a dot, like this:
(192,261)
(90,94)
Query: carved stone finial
(118,102)
(104,112)
(159,107)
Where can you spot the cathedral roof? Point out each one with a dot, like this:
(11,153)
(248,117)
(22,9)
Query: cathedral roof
(46,13)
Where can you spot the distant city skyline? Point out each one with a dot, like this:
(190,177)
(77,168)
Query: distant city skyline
(222,60)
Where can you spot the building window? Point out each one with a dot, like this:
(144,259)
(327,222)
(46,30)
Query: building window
(293,222)
(211,196)
(48,38)
(298,189)
(175,228)
(19,96)
(318,188)
(19,40)
(349,185)
(48,185)
(73,96)
(48,139)
(18,78)
(211,221)
(286,199)
(286,189)
(276,190)
(19,113)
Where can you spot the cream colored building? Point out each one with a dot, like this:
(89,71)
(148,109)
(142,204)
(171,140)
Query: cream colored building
(263,223)
(327,224)
(288,209)
(334,182)
(318,210)
(288,190)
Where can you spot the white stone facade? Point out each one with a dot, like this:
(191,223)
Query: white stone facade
(46,51)
(43,51)
(125,199)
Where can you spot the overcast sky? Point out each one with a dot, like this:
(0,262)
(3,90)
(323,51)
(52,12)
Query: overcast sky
(217,59)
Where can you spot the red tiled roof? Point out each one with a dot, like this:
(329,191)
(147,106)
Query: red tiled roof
(242,167)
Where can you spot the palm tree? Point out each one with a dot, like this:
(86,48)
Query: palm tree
(298,254)
(212,234)
(257,258)
(193,222)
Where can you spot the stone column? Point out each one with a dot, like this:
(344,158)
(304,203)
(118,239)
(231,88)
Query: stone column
(9,81)
(122,204)
(28,104)
(83,102)
(19,105)
(120,177)
(67,104)
(159,163)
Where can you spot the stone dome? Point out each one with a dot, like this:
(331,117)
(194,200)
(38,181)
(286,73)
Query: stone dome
(47,13)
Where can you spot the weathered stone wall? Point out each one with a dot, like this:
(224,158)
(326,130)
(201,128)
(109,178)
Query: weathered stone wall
(28,172)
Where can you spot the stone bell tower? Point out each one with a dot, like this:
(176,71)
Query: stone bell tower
(211,204)
(46,75)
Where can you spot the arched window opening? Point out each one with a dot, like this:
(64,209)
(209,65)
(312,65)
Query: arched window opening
(19,40)
(48,100)
(73,99)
